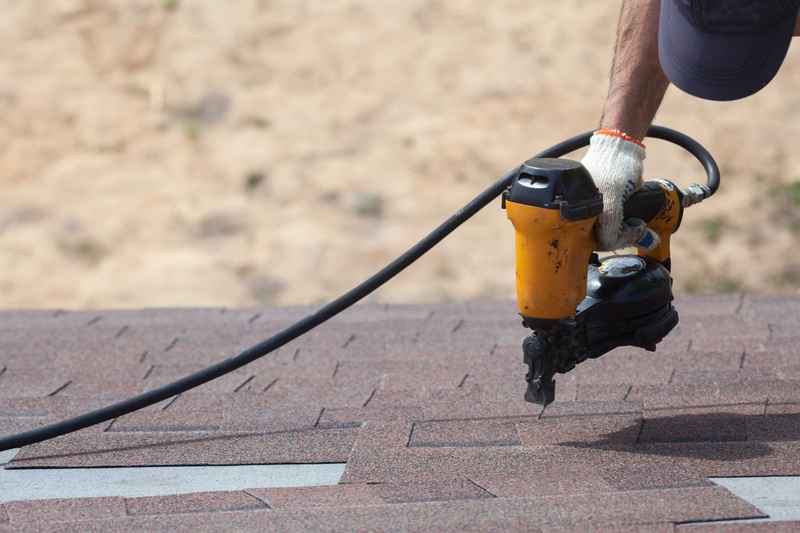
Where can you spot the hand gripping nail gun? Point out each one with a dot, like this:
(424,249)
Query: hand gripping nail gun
(577,305)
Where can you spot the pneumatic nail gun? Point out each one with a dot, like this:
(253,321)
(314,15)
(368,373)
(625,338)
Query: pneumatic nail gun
(577,305)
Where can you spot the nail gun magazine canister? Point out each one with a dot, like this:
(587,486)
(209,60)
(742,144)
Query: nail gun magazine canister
(553,205)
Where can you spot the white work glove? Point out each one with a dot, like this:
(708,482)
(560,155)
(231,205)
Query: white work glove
(615,164)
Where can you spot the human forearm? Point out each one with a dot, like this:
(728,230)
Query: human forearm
(637,83)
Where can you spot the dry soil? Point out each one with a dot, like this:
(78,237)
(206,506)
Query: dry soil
(202,152)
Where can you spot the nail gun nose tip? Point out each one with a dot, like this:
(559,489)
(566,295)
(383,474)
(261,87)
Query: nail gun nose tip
(541,394)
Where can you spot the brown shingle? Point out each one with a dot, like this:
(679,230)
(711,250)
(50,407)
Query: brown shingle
(714,328)
(345,495)
(185,413)
(772,309)
(160,374)
(702,306)
(193,503)
(609,392)
(483,404)
(28,413)
(354,389)
(189,448)
(369,463)
(544,484)
(704,424)
(30,383)
(634,476)
(423,397)
(515,514)
(254,412)
(719,359)
(581,430)
(681,464)
(694,376)
(705,394)
(774,352)
(509,382)
(495,514)
(354,417)
(758,527)
(431,491)
(559,409)
(780,423)
(481,432)
(626,367)
(388,374)
(588,527)
(49,511)
(318,391)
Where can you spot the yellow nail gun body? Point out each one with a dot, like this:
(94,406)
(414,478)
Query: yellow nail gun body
(577,305)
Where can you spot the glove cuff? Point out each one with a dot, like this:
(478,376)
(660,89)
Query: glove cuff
(611,146)
(621,134)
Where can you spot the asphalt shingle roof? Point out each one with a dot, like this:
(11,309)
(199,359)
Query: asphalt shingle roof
(424,404)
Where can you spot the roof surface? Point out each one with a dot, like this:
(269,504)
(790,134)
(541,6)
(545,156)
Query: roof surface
(424,404)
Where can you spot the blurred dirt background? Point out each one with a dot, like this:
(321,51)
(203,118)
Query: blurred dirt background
(200,152)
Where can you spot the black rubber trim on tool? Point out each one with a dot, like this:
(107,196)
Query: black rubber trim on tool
(339,304)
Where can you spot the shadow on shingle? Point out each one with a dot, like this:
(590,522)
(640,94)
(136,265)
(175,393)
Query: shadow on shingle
(689,436)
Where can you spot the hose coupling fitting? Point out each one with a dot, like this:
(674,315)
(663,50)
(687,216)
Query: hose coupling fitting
(695,193)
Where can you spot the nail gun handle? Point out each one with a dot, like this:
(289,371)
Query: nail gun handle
(647,202)
(659,203)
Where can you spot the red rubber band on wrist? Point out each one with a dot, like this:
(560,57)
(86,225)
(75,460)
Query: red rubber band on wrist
(621,134)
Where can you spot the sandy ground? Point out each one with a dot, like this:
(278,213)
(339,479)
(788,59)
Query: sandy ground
(200,152)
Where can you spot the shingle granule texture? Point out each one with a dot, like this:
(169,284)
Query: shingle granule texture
(424,404)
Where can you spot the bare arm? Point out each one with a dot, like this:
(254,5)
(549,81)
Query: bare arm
(637,82)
